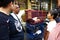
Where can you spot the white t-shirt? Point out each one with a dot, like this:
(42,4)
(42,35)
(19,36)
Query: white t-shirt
(51,25)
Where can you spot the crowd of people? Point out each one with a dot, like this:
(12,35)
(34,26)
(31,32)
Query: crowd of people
(11,27)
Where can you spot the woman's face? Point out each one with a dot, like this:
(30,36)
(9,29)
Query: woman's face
(49,16)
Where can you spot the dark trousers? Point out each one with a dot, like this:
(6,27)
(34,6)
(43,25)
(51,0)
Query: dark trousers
(38,39)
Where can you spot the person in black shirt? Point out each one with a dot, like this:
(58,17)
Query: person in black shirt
(15,26)
(5,8)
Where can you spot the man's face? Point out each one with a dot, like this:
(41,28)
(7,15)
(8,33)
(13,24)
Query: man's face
(11,6)
(16,8)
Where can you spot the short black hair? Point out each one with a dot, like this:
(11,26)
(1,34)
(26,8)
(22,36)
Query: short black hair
(58,12)
(4,3)
(54,13)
